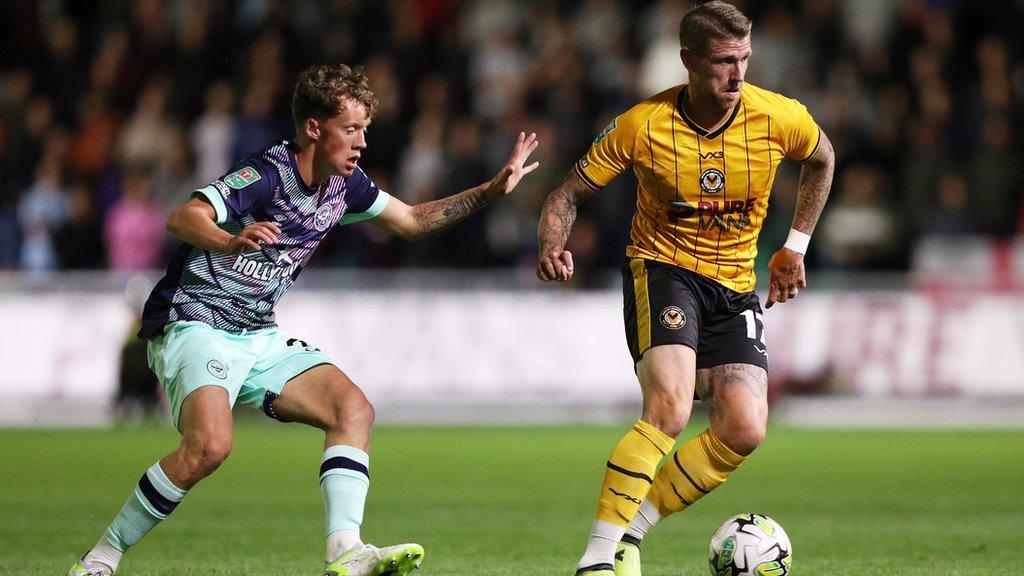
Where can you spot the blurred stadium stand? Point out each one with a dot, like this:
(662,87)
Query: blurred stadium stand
(112,111)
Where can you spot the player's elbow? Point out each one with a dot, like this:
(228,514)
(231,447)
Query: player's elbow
(407,232)
(829,159)
(413,226)
(174,222)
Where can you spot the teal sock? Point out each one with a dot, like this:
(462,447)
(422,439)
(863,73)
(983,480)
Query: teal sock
(153,500)
(344,481)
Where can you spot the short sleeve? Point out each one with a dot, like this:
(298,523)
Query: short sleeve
(612,151)
(248,185)
(363,198)
(801,135)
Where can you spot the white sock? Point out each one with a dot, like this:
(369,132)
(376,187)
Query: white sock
(644,520)
(341,541)
(102,555)
(344,481)
(604,537)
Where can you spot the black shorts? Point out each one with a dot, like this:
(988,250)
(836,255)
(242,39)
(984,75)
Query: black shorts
(665,304)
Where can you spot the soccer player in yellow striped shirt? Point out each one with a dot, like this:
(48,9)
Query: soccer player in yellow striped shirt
(705,155)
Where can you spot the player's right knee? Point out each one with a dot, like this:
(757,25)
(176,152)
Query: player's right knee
(669,414)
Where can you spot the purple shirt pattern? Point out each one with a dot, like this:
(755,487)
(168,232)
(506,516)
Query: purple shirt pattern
(237,292)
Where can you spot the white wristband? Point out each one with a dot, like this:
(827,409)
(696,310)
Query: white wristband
(797,241)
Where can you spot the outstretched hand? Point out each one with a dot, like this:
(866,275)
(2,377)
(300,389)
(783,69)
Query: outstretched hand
(787,276)
(507,178)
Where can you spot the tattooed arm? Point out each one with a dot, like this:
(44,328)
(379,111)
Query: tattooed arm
(411,222)
(556,220)
(786,266)
(815,183)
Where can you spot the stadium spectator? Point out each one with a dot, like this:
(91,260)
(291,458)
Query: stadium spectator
(79,241)
(214,132)
(134,228)
(42,210)
(907,86)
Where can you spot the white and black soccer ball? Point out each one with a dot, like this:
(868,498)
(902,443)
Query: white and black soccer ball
(750,545)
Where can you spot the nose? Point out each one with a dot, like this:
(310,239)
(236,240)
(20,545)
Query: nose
(360,141)
(736,73)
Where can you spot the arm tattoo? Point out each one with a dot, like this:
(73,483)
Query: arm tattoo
(440,214)
(559,213)
(815,182)
(711,382)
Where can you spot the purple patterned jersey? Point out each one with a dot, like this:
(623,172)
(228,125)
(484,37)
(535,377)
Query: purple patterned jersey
(237,292)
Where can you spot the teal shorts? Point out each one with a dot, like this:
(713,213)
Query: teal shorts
(252,367)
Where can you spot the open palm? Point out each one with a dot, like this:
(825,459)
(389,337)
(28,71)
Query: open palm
(514,170)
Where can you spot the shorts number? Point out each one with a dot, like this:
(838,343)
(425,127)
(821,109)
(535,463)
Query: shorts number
(303,344)
(755,325)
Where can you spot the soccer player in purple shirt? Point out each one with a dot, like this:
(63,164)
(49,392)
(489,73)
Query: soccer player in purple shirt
(211,330)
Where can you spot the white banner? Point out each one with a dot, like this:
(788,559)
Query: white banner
(549,346)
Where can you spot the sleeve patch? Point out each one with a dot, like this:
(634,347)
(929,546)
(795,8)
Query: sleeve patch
(604,133)
(242,178)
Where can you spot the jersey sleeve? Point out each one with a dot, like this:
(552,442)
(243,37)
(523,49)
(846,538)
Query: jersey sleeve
(364,199)
(249,184)
(801,134)
(612,151)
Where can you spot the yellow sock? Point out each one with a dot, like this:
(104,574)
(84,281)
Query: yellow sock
(697,468)
(630,472)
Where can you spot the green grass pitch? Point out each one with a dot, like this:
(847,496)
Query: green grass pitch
(519,501)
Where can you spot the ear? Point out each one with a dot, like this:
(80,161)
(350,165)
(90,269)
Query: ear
(312,129)
(686,56)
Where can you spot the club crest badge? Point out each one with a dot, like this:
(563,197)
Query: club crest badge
(322,220)
(712,180)
(673,317)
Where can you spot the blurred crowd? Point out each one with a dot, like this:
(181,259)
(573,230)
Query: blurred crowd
(112,111)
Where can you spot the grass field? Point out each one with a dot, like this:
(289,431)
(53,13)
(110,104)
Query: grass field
(501,501)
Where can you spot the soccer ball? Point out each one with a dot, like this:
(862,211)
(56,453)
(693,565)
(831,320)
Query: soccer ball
(750,545)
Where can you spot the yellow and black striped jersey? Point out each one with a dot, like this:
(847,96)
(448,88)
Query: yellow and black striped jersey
(702,196)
